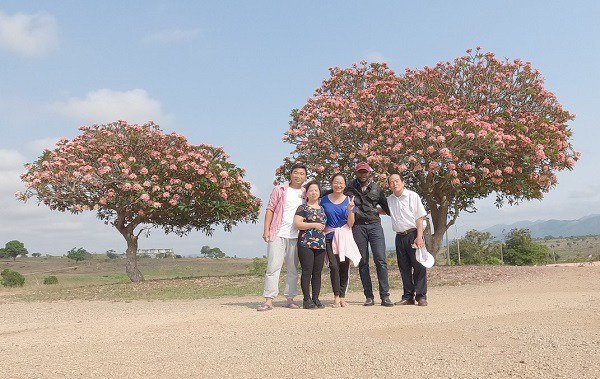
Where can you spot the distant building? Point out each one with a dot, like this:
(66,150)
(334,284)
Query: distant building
(157,253)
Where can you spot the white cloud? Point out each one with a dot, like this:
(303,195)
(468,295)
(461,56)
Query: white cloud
(10,160)
(171,36)
(37,146)
(105,105)
(28,34)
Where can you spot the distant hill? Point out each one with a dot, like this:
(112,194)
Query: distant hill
(588,225)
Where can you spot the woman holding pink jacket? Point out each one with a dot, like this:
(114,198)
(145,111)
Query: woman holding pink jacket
(341,248)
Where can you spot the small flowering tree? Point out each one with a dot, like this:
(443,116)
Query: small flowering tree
(135,175)
(458,131)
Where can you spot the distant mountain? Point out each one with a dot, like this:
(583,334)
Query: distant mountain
(566,228)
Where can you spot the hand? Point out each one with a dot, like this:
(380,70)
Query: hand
(350,204)
(419,242)
(320,227)
(266,236)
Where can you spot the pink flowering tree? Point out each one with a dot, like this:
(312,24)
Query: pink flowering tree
(458,132)
(136,177)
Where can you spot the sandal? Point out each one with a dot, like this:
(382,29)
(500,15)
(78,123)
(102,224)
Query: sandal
(343,304)
(335,305)
(264,307)
(292,305)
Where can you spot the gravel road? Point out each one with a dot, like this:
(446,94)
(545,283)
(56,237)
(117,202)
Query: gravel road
(545,325)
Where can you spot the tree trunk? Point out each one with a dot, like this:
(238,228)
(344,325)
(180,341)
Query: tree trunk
(433,241)
(131,259)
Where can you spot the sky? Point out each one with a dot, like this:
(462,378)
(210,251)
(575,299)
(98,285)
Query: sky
(229,73)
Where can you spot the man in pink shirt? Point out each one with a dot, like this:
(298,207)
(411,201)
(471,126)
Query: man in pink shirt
(282,238)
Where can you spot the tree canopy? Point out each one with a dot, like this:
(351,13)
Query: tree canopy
(457,131)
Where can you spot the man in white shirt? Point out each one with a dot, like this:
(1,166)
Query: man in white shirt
(407,213)
(281,236)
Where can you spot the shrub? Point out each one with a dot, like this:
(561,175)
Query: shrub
(51,280)
(258,266)
(12,278)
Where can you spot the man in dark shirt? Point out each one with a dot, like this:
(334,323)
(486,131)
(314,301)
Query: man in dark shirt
(367,230)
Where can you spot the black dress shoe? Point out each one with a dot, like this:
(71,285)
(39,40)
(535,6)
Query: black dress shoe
(422,302)
(370,301)
(318,303)
(308,304)
(405,302)
(386,302)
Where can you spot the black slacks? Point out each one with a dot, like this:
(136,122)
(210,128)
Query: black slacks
(338,270)
(414,274)
(311,262)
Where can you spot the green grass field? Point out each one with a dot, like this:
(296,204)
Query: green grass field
(189,278)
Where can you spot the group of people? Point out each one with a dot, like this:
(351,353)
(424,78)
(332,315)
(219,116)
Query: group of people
(306,225)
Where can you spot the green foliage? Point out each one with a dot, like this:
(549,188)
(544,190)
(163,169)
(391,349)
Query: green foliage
(51,280)
(258,266)
(214,253)
(111,254)
(12,278)
(476,248)
(177,256)
(13,249)
(522,251)
(78,254)
(36,255)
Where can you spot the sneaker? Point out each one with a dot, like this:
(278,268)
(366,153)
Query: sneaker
(370,301)
(318,303)
(308,304)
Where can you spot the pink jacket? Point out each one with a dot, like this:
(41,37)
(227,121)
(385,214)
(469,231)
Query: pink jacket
(276,205)
(343,244)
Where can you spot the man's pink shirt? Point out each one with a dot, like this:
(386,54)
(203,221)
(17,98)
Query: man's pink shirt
(276,205)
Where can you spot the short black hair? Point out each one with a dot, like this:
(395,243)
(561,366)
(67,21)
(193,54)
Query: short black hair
(298,165)
(311,183)
(336,175)
(395,173)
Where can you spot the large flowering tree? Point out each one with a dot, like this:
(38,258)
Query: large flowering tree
(458,131)
(137,176)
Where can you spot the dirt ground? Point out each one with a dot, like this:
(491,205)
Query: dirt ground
(543,324)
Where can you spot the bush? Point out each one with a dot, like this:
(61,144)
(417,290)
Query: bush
(493,261)
(111,254)
(258,266)
(36,255)
(51,280)
(12,278)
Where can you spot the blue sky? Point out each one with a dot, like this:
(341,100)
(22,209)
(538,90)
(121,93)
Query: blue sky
(229,73)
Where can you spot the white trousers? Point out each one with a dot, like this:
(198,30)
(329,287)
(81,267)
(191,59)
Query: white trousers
(282,250)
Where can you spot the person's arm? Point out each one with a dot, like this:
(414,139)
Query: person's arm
(300,224)
(383,202)
(419,241)
(420,215)
(268,219)
(351,211)
(273,199)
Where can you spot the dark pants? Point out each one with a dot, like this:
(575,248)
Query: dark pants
(311,262)
(414,274)
(338,271)
(365,235)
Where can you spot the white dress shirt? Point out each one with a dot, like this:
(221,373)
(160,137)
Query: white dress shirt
(405,210)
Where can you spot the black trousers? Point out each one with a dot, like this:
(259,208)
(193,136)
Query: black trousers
(338,270)
(414,274)
(365,235)
(311,262)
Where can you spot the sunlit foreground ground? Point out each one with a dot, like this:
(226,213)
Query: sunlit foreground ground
(517,322)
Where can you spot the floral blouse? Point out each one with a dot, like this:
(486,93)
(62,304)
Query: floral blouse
(312,238)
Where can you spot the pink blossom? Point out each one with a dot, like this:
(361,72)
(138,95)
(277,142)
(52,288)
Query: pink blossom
(145,197)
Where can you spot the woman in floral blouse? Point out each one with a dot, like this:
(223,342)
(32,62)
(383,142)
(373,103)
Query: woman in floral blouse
(310,219)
